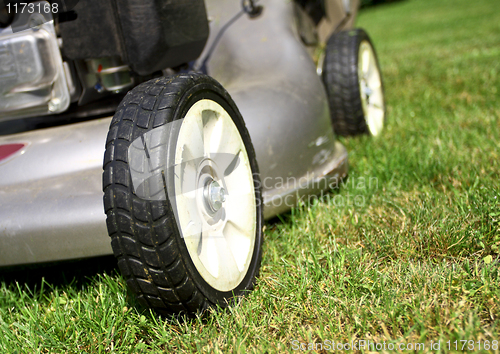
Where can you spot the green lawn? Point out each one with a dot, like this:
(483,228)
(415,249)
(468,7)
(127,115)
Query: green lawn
(414,259)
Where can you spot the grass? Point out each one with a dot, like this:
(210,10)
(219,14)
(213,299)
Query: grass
(411,257)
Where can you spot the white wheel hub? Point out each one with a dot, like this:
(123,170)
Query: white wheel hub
(370,86)
(214,195)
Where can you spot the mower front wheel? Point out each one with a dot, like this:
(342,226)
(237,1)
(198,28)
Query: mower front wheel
(182,195)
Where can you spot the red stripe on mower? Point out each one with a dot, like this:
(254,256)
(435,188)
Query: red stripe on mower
(9,149)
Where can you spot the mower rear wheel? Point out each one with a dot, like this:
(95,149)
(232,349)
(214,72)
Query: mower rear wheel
(352,77)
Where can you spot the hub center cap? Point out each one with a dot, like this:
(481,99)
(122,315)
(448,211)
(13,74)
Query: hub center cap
(215,195)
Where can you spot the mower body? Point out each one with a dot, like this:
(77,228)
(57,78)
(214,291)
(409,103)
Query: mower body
(51,187)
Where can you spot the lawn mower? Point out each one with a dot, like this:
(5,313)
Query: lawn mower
(175,128)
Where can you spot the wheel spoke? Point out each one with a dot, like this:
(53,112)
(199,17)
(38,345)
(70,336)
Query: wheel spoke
(224,138)
(365,62)
(192,224)
(376,99)
(217,257)
(187,173)
(240,226)
(191,153)
(210,121)
(195,146)
(192,234)
(228,267)
(361,74)
(239,209)
(209,254)
(239,241)
(376,119)
(373,77)
(370,67)
(232,165)
(233,181)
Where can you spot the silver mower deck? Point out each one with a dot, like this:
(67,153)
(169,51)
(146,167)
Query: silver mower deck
(50,191)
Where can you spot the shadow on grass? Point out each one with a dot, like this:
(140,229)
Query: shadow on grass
(370,3)
(74,273)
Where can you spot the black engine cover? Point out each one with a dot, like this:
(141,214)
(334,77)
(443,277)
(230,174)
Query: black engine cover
(147,35)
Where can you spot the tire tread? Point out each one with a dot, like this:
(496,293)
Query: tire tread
(161,283)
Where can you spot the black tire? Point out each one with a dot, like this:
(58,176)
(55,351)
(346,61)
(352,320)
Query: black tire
(342,82)
(151,254)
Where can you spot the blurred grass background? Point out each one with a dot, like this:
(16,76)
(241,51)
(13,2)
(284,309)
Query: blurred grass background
(412,256)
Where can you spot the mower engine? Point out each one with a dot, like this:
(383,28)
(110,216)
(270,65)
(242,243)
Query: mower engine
(34,79)
(64,55)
